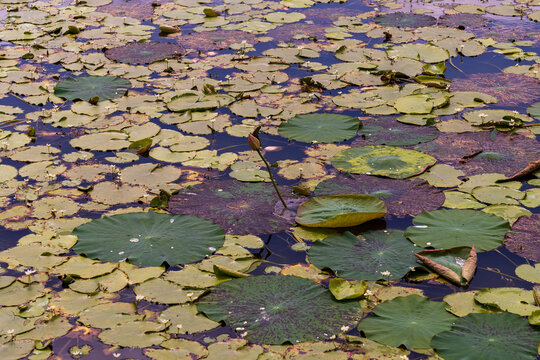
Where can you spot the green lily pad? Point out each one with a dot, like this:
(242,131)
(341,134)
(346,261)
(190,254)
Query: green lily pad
(87,87)
(365,257)
(410,320)
(488,337)
(456,264)
(388,131)
(534,110)
(443,229)
(514,300)
(275,309)
(529,273)
(144,52)
(339,210)
(402,197)
(401,19)
(134,334)
(383,160)
(320,127)
(148,239)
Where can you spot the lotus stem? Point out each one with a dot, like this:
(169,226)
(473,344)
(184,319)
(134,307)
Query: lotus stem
(272,178)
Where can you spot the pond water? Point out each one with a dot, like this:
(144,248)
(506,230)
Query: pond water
(137,222)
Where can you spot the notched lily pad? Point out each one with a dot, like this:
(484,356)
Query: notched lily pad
(365,257)
(88,87)
(144,52)
(320,127)
(275,309)
(523,238)
(388,131)
(339,210)
(148,239)
(383,160)
(407,20)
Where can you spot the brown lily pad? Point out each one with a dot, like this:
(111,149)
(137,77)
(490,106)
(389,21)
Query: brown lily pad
(144,52)
(388,131)
(402,197)
(523,238)
(480,152)
(464,21)
(239,208)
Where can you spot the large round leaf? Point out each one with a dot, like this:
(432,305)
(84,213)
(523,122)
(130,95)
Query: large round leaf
(449,228)
(276,309)
(402,197)
(87,87)
(401,19)
(355,258)
(388,131)
(488,337)
(238,207)
(320,127)
(523,239)
(339,210)
(144,52)
(383,160)
(148,239)
(411,321)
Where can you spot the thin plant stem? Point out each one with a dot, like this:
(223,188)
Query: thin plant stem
(272,178)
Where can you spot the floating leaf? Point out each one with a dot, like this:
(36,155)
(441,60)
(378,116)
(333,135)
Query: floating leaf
(529,273)
(365,257)
(407,20)
(134,334)
(448,228)
(514,300)
(339,210)
(523,238)
(387,131)
(343,289)
(411,321)
(271,309)
(86,87)
(144,52)
(148,239)
(321,127)
(402,197)
(457,264)
(383,160)
(240,208)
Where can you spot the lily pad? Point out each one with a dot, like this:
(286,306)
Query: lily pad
(467,21)
(148,239)
(144,52)
(240,208)
(365,257)
(488,337)
(87,87)
(402,197)
(409,20)
(411,321)
(383,160)
(388,131)
(456,264)
(460,227)
(339,210)
(275,309)
(320,127)
(523,238)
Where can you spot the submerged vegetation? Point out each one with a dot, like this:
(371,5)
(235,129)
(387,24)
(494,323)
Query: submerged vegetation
(263,179)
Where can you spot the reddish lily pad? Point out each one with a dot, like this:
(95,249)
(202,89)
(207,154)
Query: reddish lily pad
(402,197)
(466,21)
(523,238)
(144,52)
(388,131)
(409,20)
(240,208)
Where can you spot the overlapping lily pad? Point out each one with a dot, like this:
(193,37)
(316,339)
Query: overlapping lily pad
(240,208)
(411,321)
(383,160)
(88,87)
(339,210)
(443,229)
(148,239)
(275,309)
(365,257)
(322,127)
(144,52)
(488,337)
(402,197)
(457,264)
